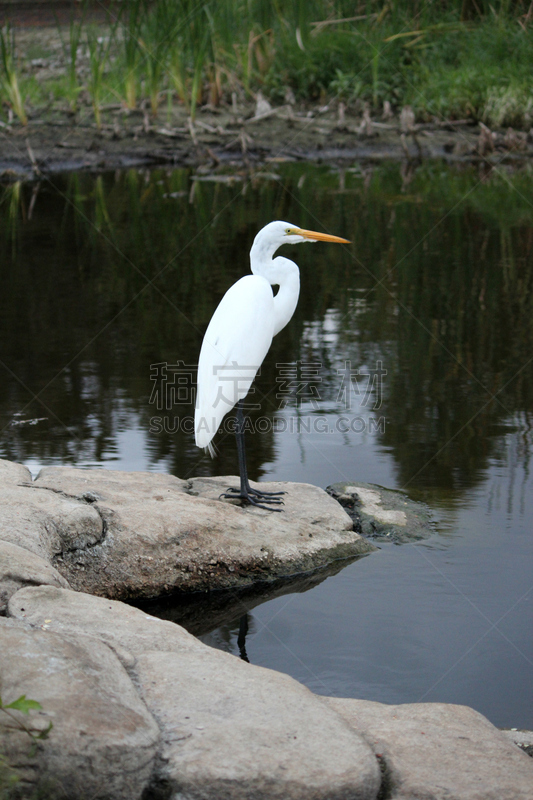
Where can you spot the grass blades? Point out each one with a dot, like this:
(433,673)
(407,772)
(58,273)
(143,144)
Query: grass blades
(131,53)
(9,75)
(70,52)
(99,45)
(453,58)
(98,48)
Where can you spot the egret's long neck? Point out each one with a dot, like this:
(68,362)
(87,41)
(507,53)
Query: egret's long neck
(278,272)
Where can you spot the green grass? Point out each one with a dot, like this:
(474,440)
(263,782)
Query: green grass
(9,73)
(449,59)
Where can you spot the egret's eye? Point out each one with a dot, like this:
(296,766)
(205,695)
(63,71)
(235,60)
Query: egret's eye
(287,230)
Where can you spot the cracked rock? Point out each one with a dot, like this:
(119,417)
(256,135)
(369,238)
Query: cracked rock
(20,567)
(229,730)
(162,533)
(103,741)
(45,522)
(436,751)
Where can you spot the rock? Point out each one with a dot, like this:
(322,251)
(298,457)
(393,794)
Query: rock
(46,523)
(117,624)
(383,514)
(12,474)
(524,739)
(436,751)
(229,729)
(103,742)
(141,708)
(232,731)
(20,567)
(162,533)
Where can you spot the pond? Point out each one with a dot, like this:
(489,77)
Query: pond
(408,363)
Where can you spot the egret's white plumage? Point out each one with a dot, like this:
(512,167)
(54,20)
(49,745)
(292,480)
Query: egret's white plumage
(241,330)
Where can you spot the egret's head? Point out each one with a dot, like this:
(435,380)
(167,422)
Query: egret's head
(279,232)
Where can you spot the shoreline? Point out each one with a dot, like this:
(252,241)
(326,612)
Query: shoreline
(221,141)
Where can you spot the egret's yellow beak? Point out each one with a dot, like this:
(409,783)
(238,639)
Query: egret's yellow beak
(319,237)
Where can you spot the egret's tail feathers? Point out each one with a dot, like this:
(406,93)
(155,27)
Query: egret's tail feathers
(204,436)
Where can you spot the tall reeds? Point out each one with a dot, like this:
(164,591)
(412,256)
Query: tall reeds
(100,44)
(70,54)
(9,73)
(445,56)
(131,53)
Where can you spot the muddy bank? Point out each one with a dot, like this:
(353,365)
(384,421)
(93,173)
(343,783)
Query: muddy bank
(226,138)
(245,129)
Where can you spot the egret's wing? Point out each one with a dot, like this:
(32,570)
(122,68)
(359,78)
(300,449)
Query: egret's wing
(235,344)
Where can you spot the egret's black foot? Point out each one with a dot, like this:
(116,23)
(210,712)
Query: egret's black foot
(257,493)
(265,494)
(236,494)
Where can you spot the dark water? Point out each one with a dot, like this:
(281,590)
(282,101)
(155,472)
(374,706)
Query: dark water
(408,363)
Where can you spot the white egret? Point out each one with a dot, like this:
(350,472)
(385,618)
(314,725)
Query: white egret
(239,336)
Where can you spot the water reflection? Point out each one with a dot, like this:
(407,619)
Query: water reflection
(106,276)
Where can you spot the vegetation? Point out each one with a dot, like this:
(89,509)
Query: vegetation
(9,777)
(9,74)
(462,58)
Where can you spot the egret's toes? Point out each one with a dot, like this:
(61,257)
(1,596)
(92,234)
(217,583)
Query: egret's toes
(235,494)
(258,493)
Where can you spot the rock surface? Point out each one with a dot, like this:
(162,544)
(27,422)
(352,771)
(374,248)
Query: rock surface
(162,533)
(20,567)
(432,751)
(142,709)
(383,514)
(104,740)
(48,523)
(125,629)
(228,729)
(524,739)
(247,732)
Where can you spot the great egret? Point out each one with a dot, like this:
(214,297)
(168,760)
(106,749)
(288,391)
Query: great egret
(239,336)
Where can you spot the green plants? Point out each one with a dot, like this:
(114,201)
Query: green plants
(24,705)
(98,46)
(9,777)
(132,51)
(9,73)
(158,29)
(70,51)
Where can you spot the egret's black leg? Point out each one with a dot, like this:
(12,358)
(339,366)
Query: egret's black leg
(246,492)
(241,640)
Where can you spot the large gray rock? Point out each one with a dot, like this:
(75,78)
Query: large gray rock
(122,627)
(162,533)
(436,751)
(232,731)
(229,729)
(103,742)
(20,567)
(47,523)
